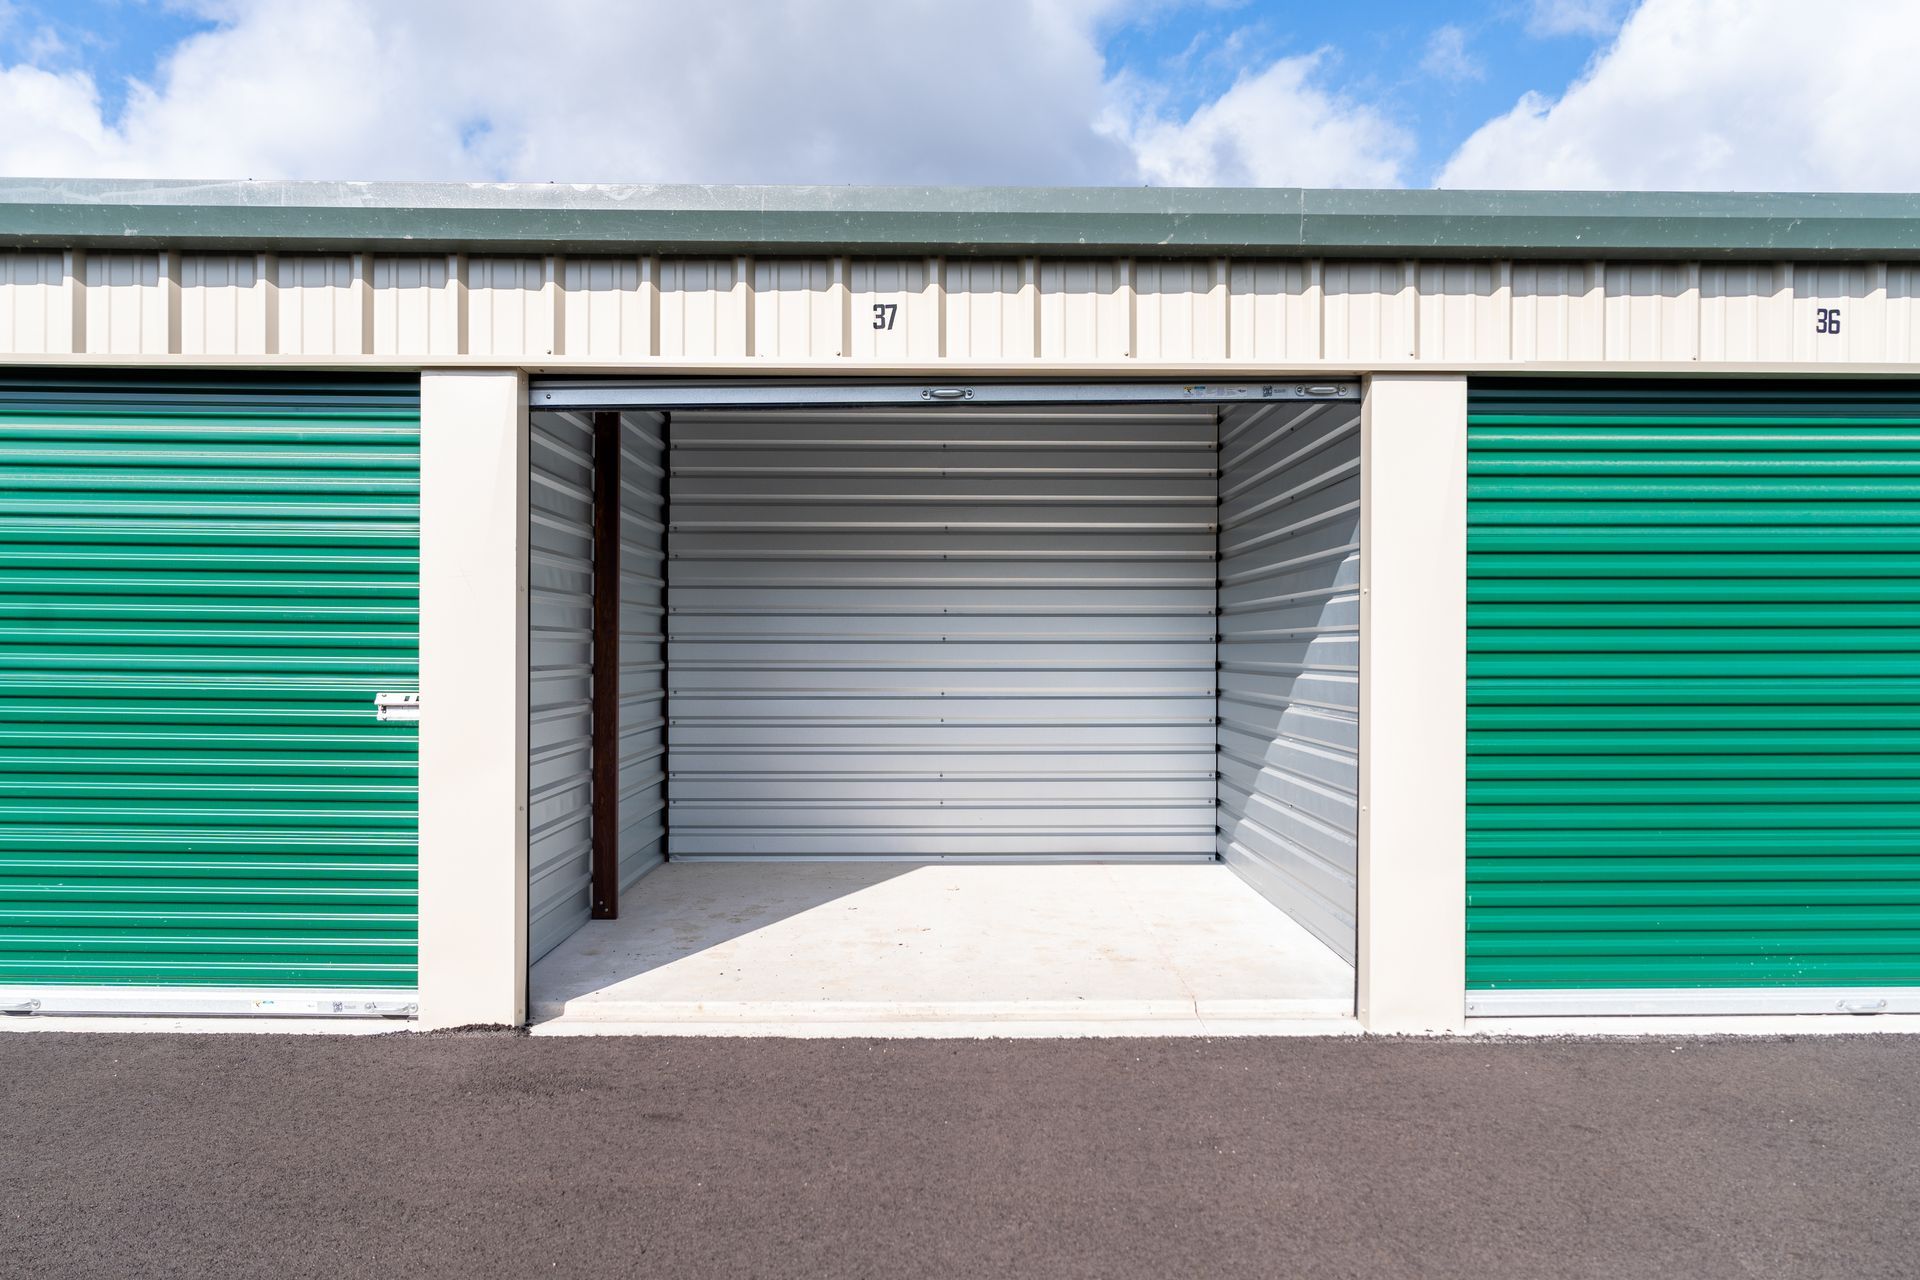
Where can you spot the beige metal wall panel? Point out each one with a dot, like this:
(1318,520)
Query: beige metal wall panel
(222,307)
(612,307)
(1903,313)
(797,312)
(1086,310)
(1465,311)
(1650,312)
(473,666)
(1270,314)
(35,315)
(126,305)
(895,310)
(1746,312)
(1841,286)
(510,310)
(1180,310)
(416,310)
(319,312)
(703,308)
(1369,311)
(1352,314)
(1550,318)
(993,310)
(1413,704)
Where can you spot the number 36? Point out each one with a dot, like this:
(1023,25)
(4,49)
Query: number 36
(1826,319)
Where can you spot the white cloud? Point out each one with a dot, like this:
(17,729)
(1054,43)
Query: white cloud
(843,91)
(1277,127)
(1722,95)
(835,90)
(1447,58)
(1574,17)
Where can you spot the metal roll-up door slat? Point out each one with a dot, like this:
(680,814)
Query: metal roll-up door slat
(204,584)
(1693,696)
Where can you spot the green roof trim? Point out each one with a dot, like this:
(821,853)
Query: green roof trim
(296,217)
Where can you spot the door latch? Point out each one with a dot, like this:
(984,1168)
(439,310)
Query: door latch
(396,706)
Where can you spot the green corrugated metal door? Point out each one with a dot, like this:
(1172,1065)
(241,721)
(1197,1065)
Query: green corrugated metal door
(1693,697)
(203,586)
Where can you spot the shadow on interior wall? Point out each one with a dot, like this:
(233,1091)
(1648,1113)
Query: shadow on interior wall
(661,922)
(1289,722)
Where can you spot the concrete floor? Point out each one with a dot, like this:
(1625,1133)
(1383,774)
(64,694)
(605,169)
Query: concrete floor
(949,950)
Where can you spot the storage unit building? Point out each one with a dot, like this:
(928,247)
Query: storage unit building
(1515,589)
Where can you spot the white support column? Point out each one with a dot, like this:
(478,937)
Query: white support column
(473,704)
(1413,703)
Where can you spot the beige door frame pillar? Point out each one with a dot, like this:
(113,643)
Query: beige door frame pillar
(1413,703)
(473,703)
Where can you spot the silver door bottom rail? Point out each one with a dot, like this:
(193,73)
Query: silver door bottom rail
(1631,1002)
(205,1002)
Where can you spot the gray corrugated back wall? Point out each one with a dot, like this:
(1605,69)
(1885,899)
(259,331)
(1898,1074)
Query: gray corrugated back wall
(559,676)
(1290,658)
(562,665)
(942,632)
(643,658)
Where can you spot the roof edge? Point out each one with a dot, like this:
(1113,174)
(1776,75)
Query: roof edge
(984,221)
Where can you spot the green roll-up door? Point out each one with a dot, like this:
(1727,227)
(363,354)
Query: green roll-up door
(203,586)
(1693,697)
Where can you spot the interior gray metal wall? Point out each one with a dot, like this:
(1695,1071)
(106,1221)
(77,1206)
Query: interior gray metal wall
(1290,658)
(559,676)
(643,658)
(942,632)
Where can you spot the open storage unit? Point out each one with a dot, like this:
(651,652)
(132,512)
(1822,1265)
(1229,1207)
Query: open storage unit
(991,624)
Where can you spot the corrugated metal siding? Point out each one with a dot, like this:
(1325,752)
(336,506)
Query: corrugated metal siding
(1694,686)
(942,633)
(643,656)
(1012,309)
(36,304)
(559,677)
(1289,729)
(202,588)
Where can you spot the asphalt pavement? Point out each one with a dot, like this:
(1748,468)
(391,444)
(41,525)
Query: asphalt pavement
(485,1154)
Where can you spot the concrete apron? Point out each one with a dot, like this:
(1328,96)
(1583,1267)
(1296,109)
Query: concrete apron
(957,950)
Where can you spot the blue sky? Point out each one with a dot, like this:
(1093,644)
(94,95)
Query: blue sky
(115,40)
(1712,94)
(1382,51)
